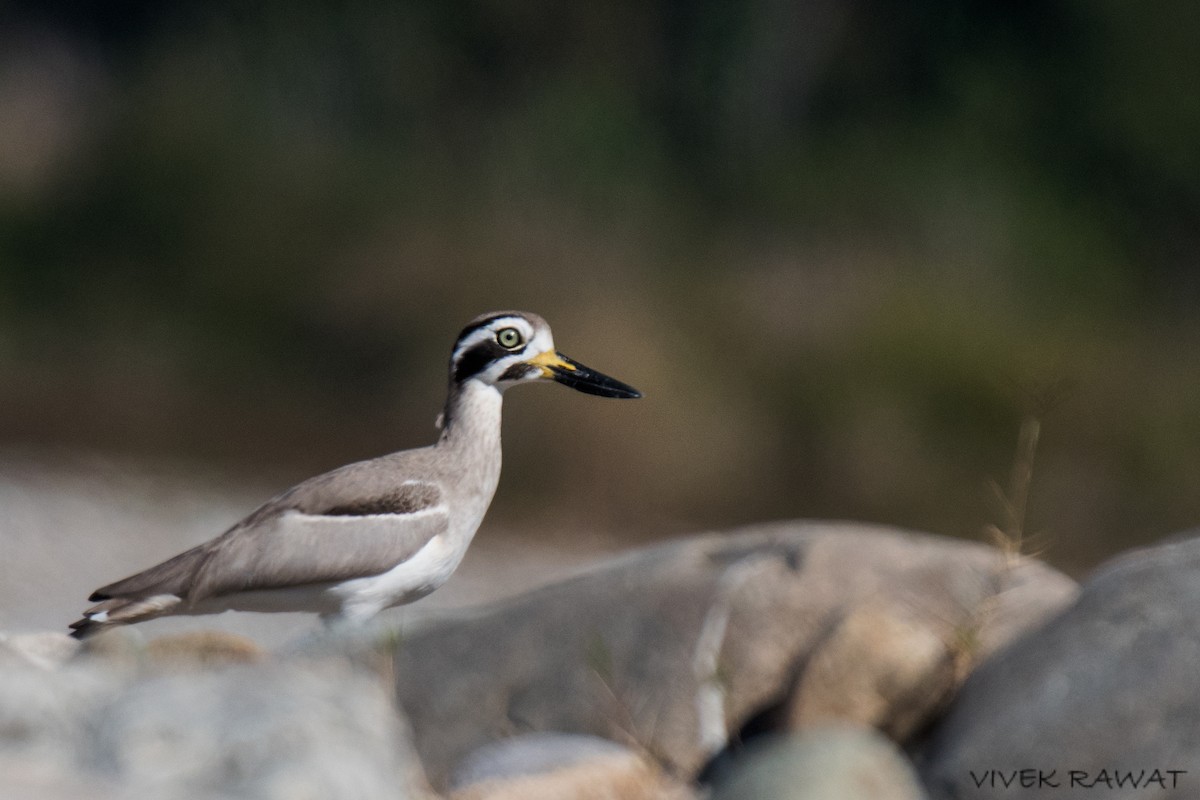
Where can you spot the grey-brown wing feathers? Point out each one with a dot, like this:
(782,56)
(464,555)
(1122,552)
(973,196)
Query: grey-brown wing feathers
(169,577)
(353,522)
(368,487)
(297,549)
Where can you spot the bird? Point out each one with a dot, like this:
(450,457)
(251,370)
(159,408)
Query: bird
(373,534)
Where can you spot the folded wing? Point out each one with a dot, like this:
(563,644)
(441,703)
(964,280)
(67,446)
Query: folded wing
(350,523)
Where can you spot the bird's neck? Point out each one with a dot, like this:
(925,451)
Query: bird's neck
(471,419)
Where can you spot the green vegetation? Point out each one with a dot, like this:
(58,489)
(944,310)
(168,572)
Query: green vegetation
(835,243)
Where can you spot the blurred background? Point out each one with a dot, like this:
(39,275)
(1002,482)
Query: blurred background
(845,247)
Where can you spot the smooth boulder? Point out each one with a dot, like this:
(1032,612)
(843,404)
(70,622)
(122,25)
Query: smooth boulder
(1101,701)
(674,648)
(836,763)
(196,717)
(553,766)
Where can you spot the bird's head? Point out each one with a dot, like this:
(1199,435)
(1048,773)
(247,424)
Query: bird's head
(504,348)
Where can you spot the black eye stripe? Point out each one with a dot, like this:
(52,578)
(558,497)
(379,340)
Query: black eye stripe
(477,359)
(518,371)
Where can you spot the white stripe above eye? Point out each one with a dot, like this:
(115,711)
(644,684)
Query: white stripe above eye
(489,332)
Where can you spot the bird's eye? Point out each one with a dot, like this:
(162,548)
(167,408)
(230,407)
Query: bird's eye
(509,338)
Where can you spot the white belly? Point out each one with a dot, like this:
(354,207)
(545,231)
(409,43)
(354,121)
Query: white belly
(355,599)
(429,568)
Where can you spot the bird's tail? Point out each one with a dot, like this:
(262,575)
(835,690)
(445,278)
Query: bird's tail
(115,611)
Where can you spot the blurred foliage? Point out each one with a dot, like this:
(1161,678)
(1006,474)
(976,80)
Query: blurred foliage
(841,244)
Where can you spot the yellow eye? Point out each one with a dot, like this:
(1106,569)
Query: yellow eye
(509,338)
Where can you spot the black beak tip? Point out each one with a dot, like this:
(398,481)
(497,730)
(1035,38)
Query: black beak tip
(588,381)
(624,393)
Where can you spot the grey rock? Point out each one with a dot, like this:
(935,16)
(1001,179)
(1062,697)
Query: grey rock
(149,723)
(1108,686)
(671,648)
(46,650)
(279,732)
(880,666)
(42,711)
(23,778)
(821,764)
(531,754)
(553,766)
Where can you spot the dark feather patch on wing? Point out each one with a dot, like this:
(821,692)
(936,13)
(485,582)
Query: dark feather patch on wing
(405,500)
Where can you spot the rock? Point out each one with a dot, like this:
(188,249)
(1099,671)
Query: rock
(1107,688)
(203,649)
(674,647)
(280,731)
(43,712)
(22,779)
(532,754)
(881,667)
(550,766)
(820,764)
(46,650)
(123,646)
(137,725)
(128,648)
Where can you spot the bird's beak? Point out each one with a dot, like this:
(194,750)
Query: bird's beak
(555,366)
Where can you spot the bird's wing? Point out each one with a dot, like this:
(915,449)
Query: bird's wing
(356,521)
(296,548)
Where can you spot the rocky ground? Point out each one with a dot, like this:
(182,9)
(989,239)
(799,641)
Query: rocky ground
(791,660)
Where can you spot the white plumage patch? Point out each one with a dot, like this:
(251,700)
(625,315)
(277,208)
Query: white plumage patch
(429,568)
